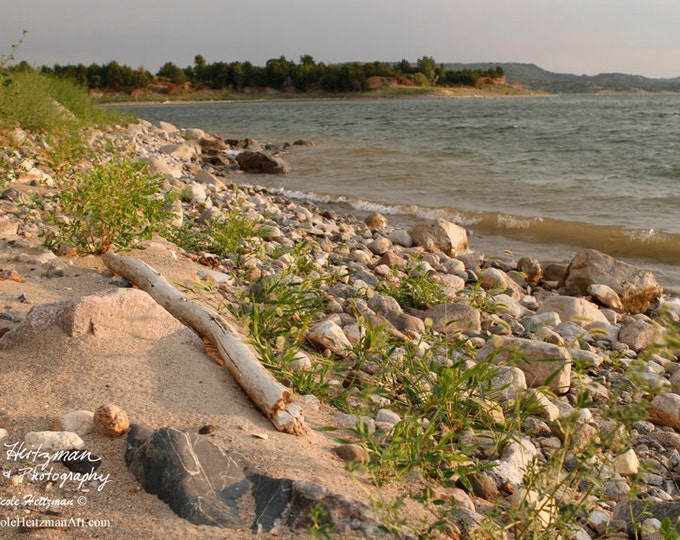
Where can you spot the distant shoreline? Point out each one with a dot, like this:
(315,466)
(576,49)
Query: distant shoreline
(496,91)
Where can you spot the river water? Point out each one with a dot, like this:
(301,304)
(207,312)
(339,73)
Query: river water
(535,176)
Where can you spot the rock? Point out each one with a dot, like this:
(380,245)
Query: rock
(400,237)
(111,420)
(259,162)
(493,278)
(633,512)
(636,288)
(605,295)
(81,461)
(627,464)
(531,269)
(385,416)
(8,226)
(80,422)
(328,335)
(441,235)
(303,142)
(664,410)
(376,220)
(542,363)
(108,314)
(168,128)
(506,384)
(380,246)
(483,486)
(454,318)
(183,151)
(204,177)
(350,452)
(576,310)
(53,440)
(528,501)
(209,486)
(640,334)
(389,308)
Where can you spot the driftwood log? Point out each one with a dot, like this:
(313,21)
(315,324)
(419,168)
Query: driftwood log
(271,397)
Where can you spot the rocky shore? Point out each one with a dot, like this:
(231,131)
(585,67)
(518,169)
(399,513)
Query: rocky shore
(565,376)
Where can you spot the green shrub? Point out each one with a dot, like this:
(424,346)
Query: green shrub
(114,204)
(35,101)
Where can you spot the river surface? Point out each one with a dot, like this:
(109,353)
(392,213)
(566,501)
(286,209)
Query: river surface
(535,176)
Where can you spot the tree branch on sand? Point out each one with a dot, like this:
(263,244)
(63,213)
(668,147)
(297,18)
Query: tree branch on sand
(271,397)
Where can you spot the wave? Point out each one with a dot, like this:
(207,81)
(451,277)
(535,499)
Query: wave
(619,241)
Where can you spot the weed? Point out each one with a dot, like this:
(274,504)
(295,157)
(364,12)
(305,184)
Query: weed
(114,204)
(321,525)
(415,290)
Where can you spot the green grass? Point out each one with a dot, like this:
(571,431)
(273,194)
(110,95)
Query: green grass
(36,102)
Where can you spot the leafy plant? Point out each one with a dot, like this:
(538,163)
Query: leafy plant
(415,290)
(114,204)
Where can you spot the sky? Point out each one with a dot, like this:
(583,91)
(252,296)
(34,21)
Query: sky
(566,36)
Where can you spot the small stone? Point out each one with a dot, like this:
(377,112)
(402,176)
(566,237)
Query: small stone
(387,417)
(207,429)
(111,420)
(376,220)
(53,440)
(3,433)
(81,461)
(350,452)
(15,480)
(483,486)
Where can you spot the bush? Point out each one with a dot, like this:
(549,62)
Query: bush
(37,102)
(114,204)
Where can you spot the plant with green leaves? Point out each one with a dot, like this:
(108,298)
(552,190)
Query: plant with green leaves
(116,203)
(416,289)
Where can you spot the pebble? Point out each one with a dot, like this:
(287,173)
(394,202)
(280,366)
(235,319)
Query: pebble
(111,420)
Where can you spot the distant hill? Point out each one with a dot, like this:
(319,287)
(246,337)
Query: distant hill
(533,77)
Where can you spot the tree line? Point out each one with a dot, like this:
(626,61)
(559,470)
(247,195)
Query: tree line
(278,73)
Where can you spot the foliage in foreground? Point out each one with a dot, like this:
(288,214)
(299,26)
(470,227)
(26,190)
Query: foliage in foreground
(115,204)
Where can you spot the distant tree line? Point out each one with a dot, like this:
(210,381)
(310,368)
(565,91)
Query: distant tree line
(278,73)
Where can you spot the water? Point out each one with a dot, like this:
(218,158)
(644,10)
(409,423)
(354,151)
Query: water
(537,176)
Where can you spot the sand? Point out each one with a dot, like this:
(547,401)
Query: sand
(167,382)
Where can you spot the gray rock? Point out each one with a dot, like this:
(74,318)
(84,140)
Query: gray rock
(209,486)
(542,363)
(441,235)
(454,318)
(576,310)
(328,335)
(111,313)
(640,334)
(259,162)
(637,288)
(633,512)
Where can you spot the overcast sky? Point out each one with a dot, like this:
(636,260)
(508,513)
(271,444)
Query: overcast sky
(566,36)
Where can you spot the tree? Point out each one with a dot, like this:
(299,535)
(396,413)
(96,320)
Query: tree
(172,73)
(428,67)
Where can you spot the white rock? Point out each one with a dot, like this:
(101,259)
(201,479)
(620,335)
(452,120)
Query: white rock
(328,335)
(387,417)
(3,433)
(577,310)
(627,464)
(53,440)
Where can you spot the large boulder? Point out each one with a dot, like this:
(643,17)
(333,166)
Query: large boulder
(109,314)
(441,235)
(454,318)
(207,485)
(259,162)
(542,363)
(569,308)
(636,288)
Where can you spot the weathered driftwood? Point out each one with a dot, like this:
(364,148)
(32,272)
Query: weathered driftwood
(271,397)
